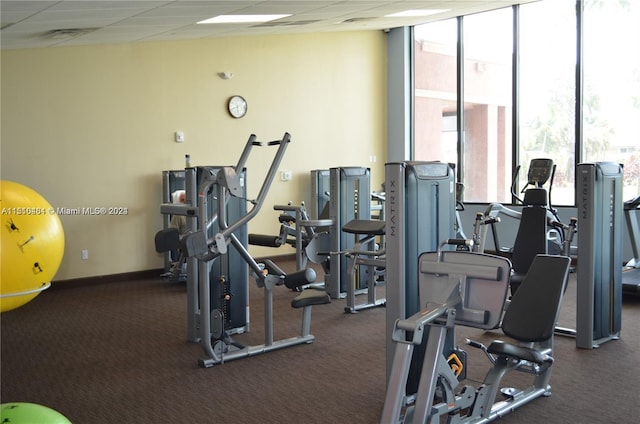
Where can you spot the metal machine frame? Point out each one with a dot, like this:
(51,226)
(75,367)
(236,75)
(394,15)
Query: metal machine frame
(419,213)
(229,271)
(469,289)
(350,190)
(215,238)
(599,283)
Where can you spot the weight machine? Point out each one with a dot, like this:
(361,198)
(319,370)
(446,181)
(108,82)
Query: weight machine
(309,237)
(207,250)
(420,211)
(599,282)
(172,181)
(366,263)
(320,194)
(230,270)
(356,261)
(342,237)
(469,289)
(349,190)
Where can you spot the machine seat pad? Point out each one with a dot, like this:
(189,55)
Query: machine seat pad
(364,226)
(285,218)
(519,352)
(167,239)
(309,297)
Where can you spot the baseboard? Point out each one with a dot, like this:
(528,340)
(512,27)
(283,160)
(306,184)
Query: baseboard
(137,275)
(110,278)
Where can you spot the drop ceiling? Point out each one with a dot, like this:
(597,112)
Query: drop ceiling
(41,24)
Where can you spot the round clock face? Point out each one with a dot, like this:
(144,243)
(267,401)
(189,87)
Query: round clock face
(237,106)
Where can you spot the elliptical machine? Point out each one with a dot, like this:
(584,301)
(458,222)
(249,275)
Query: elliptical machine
(540,230)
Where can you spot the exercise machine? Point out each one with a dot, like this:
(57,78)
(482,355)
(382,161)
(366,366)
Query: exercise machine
(312,241)
(231,294)
(469,289)
(172,182)
(366,263)
(599,280)
(309,237)
(419,213)
(356,254)
(631,271)
(318,203)
(480,227)
(539,231)
(541,228)
(459,208)
(224,184)
(349,191)
(367,260)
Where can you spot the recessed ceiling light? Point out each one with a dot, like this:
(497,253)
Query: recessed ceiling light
(416,13)
(234,19)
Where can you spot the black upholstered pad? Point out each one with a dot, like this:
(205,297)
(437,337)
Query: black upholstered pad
(364,226)
(167,239)
(310,297)
(533,311)
(519,352)
(531,238)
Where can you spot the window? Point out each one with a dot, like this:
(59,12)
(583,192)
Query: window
(486,142)
(611,93)
(486,145)
(547,46)
(498,134)
(435,96)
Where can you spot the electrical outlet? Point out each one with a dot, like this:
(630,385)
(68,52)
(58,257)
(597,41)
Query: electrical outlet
(285,176)
(84,254)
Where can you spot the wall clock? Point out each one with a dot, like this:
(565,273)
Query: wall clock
(237,106)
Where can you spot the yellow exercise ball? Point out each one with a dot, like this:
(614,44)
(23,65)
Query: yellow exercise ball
(32,244)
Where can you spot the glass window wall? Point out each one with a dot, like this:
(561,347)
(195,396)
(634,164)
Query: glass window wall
(487,141)
(545,120)
(435,96)
(547,69)
(611,103)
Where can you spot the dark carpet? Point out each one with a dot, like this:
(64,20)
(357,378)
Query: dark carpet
(118,353)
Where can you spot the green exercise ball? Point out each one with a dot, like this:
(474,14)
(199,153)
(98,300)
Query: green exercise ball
(30,413)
